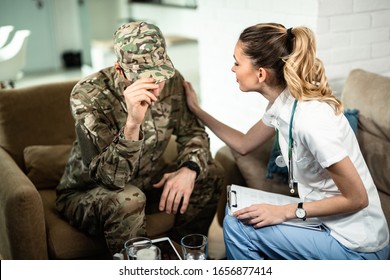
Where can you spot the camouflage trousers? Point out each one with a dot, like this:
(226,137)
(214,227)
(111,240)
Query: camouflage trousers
(120,215)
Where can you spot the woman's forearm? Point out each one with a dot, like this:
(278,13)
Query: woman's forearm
(238,141)
(232,137)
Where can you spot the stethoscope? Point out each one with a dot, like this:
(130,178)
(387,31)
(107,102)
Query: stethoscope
(279,161)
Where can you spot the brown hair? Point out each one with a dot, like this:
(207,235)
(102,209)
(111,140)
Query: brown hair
(290,56)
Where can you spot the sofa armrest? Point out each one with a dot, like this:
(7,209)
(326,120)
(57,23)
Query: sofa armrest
(22,223)
(232,176)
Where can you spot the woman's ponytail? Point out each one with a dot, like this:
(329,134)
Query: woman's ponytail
(304,73)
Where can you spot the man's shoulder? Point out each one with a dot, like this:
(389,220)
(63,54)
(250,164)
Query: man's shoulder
(175,84)
(95,82)
(177,75)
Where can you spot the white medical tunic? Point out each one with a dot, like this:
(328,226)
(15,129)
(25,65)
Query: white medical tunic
(320,139)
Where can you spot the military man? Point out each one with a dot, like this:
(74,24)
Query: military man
(124,117)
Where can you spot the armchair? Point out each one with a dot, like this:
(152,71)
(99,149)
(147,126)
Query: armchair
(36,132)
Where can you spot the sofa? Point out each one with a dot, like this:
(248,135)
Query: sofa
(369,93)
(36,133)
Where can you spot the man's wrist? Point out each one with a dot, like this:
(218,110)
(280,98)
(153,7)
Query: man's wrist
(192,166)
(131,132)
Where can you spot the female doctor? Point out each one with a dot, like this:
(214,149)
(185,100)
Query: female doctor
(317,144)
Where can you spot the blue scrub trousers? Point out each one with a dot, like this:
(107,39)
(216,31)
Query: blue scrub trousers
(244,242)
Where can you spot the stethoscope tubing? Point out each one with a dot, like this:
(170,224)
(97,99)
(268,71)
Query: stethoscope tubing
(291,182)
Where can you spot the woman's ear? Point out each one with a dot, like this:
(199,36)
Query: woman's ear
(261,74)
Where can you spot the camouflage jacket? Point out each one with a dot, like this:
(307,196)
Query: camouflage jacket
(101,154)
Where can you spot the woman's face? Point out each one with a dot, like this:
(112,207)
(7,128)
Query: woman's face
(246,73)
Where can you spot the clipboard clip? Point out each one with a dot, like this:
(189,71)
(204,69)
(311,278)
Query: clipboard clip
(231,198)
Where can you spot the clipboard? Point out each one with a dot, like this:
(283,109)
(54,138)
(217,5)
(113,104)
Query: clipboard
(239,197)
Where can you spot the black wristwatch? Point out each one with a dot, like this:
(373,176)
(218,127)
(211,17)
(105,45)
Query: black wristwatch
(300,212)
(192,166)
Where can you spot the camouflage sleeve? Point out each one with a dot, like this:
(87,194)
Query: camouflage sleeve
(110,158)
(192,138)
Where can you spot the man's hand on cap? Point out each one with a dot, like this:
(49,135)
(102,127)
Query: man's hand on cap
(138,97)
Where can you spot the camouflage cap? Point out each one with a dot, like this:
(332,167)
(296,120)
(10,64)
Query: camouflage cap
(141,52)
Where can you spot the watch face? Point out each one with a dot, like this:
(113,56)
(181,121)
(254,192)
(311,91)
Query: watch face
(300,212)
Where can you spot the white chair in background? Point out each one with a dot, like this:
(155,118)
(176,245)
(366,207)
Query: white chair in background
(5,32)
(13,58)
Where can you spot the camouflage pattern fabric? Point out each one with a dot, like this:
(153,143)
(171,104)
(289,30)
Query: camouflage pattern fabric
(141,51)
(108,178)
(117,216)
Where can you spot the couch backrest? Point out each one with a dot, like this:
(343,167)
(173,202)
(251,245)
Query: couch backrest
(370,94)
(36,115)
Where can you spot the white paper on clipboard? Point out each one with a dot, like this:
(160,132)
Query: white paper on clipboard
(239,197)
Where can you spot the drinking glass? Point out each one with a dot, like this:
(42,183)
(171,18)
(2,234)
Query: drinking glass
(136,244)
(195,247)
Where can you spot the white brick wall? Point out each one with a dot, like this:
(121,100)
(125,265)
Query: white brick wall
(361,36)
(335,7)
(350,34)
(381,18)
(370,5)
(349,22)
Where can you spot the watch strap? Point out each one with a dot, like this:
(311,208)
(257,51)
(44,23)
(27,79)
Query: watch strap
(192,166)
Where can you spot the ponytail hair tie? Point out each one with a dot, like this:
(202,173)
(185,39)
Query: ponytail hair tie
(290,35)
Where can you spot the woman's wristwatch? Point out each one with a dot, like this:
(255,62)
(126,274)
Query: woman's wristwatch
(300,212)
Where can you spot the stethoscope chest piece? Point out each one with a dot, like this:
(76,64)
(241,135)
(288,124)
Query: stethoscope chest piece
(280,162)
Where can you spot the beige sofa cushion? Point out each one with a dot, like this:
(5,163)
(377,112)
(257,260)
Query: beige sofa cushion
(373,128)
(374,142)
(36,115)
(45,164)
(376,153)
(368,93)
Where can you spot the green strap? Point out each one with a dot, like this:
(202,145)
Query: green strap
(290,138)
